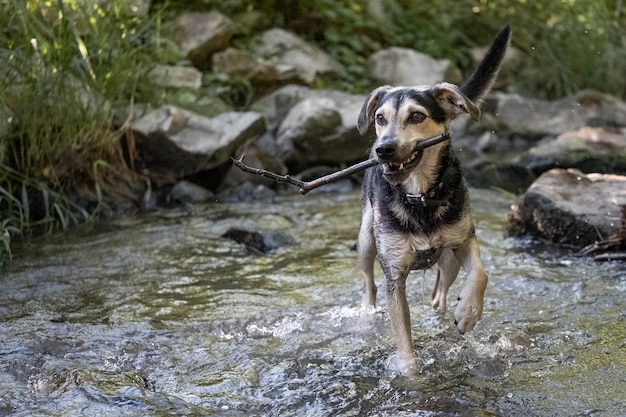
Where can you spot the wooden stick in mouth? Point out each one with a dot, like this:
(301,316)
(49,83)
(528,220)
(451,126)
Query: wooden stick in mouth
(306,186)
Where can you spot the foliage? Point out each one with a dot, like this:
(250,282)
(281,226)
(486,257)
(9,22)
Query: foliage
(563,45)
(64,63)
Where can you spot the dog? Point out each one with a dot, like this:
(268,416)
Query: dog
(415,204)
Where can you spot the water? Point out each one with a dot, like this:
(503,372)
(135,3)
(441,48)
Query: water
(159,316)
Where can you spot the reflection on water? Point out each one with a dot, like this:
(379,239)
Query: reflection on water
(160,315)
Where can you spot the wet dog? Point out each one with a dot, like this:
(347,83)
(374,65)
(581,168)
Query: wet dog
(416,210)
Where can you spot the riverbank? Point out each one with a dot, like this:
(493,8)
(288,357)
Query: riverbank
(108,111)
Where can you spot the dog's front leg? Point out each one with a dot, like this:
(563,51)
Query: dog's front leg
(398,308)
(366,247)
(470,307)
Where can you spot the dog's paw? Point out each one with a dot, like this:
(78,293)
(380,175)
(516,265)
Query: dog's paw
(403,365)
(438,300)
(368,300)
(468,311)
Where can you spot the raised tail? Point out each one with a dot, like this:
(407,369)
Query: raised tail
(480,82)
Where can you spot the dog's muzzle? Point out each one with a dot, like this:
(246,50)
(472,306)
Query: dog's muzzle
(386,154)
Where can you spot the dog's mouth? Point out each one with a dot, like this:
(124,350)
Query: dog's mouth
(394,168)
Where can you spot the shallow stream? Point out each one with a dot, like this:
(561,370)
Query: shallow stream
(160,315)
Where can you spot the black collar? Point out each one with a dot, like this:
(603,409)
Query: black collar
(425,200)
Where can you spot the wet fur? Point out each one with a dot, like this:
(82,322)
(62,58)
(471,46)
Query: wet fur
(404,235)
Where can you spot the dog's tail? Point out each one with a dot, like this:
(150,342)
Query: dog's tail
(480,82)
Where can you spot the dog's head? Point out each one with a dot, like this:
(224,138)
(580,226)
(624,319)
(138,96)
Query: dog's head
(404,116)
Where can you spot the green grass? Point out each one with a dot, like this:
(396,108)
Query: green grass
(68,66)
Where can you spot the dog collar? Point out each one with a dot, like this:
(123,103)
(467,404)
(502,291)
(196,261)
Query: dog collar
(425,200)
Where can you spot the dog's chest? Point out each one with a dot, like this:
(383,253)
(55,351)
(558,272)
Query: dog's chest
(417,249)
(419,253)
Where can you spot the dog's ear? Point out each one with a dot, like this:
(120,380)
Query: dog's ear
(369,106)
(454,102)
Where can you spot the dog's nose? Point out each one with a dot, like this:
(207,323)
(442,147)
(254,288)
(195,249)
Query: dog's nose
(386,150)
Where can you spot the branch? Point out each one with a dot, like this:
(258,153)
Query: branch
(306,186)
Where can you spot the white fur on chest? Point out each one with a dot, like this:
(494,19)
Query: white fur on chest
(405,247)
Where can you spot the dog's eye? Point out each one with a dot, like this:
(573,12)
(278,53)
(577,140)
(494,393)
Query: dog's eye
(380,120)
(416,117)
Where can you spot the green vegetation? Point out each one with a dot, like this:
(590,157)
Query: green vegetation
(68,65)
(64,66)
(563,45)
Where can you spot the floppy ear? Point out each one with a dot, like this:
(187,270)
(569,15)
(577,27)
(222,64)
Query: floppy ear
(369,106)
(454,102)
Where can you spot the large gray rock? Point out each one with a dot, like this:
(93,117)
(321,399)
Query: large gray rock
(301,134)
(177,143)
(404,66)
(176,77)
(529,116)
(314,127)
(287,49)
(200,34)
(569,207)
(236,64)
(256,156)
(590,149)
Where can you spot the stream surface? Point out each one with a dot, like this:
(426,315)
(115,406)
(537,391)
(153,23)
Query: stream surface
(159,315)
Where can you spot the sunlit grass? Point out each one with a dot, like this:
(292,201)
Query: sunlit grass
(67,66)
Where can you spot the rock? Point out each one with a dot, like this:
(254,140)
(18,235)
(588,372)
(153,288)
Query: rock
(314,127)
(188,192)
(176,77)
(289,50)
(590,149)
(255,156)
(260,243)
(248,193)
(177,143)
(404,66)
(200,34)
(569,207)
(508,162)
(236,64)
(344,186)
(529,116)
(312,118)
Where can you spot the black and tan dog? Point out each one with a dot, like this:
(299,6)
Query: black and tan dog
(416,208)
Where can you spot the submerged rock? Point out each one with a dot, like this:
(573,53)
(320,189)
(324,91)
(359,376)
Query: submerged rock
(569,207)
(260,243)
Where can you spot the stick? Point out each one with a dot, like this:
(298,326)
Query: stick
(306,186)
